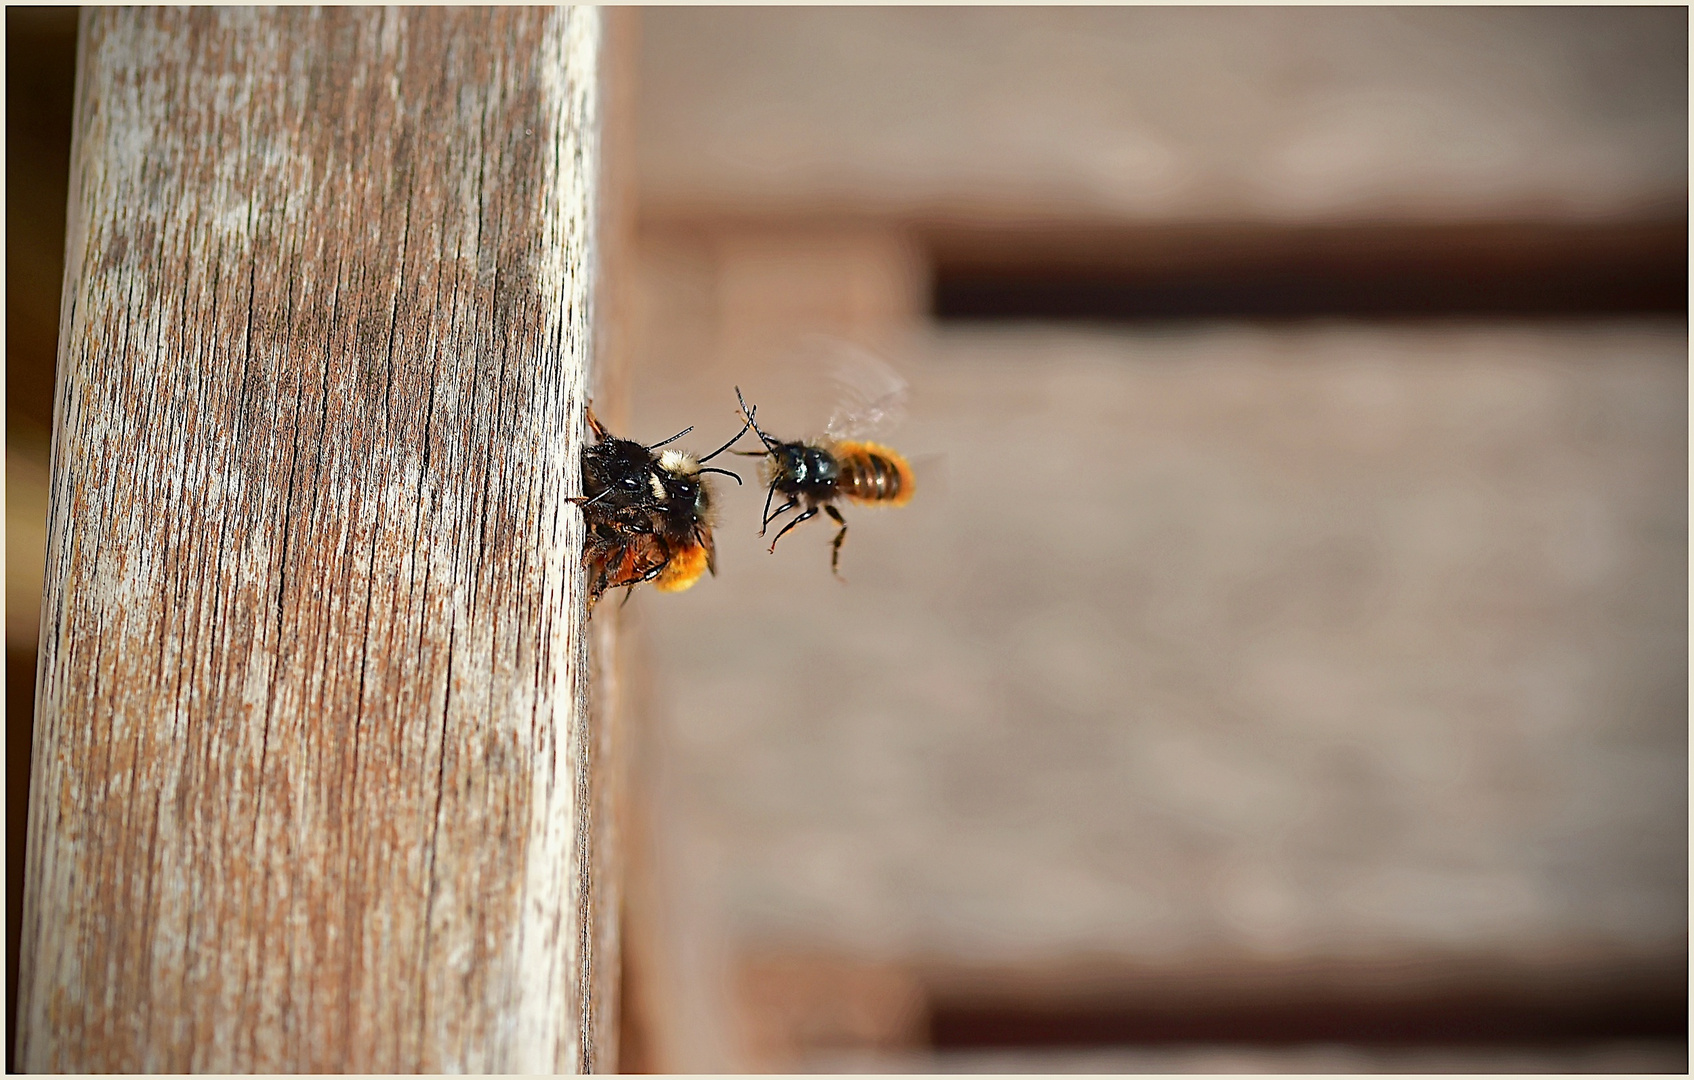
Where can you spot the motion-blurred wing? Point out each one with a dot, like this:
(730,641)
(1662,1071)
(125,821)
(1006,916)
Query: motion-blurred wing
(870,395)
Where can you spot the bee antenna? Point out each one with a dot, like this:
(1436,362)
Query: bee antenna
(726,472)
(754,424)
(673,438)
(726,445)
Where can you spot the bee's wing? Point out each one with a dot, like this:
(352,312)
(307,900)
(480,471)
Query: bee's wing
(703,537)
(870,395)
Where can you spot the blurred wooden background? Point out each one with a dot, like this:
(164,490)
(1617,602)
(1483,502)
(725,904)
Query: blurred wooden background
(1283,664)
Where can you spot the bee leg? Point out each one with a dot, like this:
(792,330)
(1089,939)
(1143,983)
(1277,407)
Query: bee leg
(835,548)
(813,512)
(646,575)
(655,571)
(594,424)
(781,510)
(629,586)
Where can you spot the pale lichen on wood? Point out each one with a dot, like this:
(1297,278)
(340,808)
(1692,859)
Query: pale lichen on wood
(313,746)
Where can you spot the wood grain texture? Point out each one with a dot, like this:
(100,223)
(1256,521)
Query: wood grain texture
(313,751)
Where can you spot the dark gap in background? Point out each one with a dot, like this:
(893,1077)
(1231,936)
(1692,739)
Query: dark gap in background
(1653,1009)
(1384,271)
(40,92)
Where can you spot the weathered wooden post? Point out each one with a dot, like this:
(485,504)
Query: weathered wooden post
(314,771)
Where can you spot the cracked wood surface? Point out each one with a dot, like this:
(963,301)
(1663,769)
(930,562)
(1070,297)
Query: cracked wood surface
(311,775)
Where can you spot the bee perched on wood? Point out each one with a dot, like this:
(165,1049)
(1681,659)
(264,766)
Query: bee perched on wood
(649,515)
(812,474)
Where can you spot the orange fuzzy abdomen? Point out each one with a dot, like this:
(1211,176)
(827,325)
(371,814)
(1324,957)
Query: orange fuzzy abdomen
(684,569)
(872,473)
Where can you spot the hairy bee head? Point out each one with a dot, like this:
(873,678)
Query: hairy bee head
(679,463)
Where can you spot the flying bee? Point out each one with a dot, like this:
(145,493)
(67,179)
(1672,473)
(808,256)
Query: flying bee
(812,474)
(649,515)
